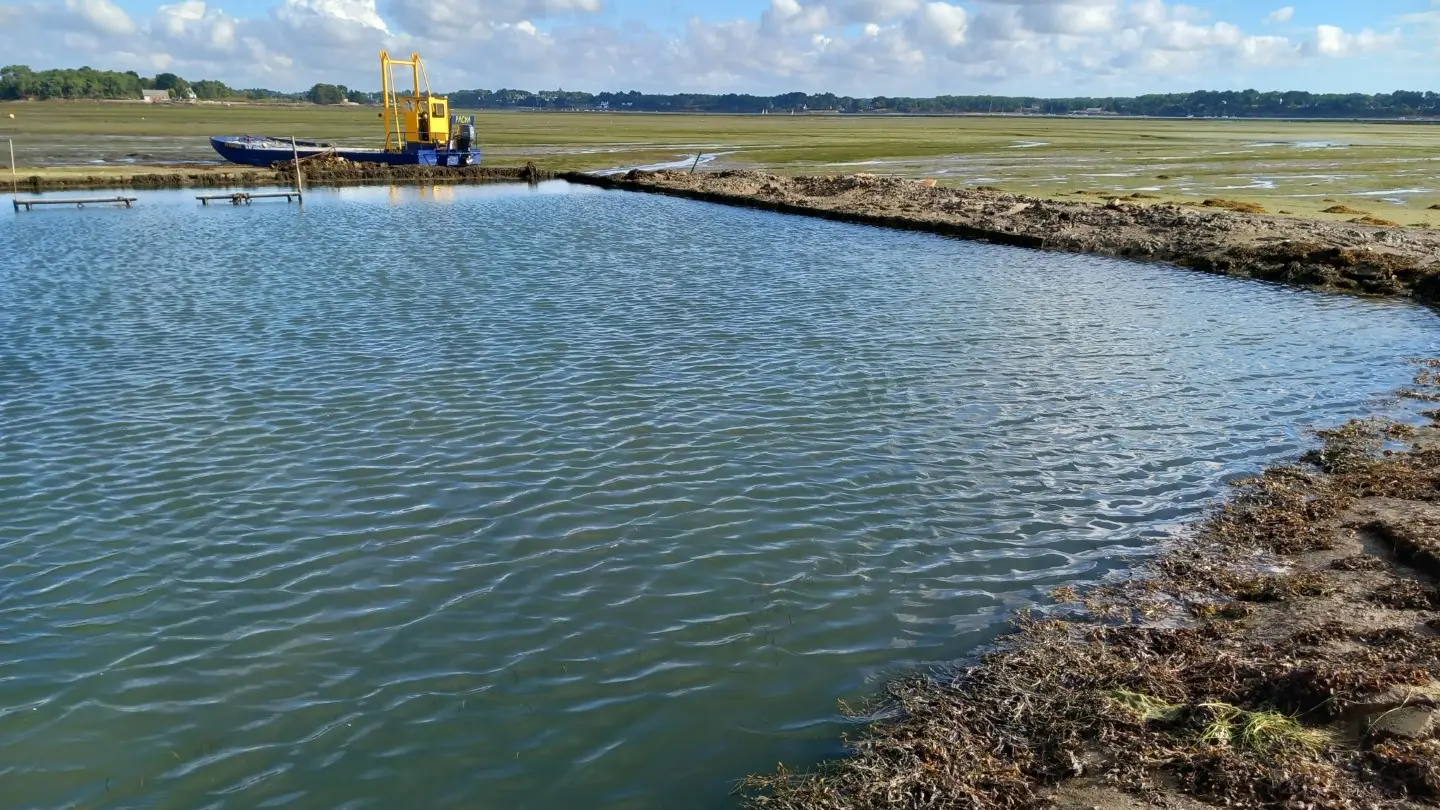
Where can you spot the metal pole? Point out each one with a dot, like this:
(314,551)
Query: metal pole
(299,179)
(698,155)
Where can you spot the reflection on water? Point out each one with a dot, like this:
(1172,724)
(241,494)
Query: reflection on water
(561,498)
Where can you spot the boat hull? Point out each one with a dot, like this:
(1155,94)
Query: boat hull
(257,151)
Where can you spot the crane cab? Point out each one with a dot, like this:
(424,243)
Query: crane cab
(417,120)
(420,123)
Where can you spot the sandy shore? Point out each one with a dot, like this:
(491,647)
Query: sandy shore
(1352,257)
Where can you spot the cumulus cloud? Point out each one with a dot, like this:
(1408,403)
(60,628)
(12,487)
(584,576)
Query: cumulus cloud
(791,17)
(1332,40)
(862,47)
(875,11)
(1280,15)
(103,16)
(939,24)
(194,22)
(458,19)
(1425,18)
(351,13)
(1084,17)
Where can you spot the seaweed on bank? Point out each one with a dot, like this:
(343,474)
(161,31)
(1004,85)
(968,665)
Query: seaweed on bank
(344,172)
(1321,703)
(283,174)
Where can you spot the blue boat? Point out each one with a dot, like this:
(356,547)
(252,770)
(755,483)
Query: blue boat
(260,150)
(419,131)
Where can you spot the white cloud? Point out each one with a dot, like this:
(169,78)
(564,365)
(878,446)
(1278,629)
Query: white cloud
(1267,50)
(785,17)
(1093,17)
(876,11)
(1426,18)
(861,47)
(1280,15)
(1332,40)
(458,19)
(359,12)
(101,15)
(939,24)
(192,21)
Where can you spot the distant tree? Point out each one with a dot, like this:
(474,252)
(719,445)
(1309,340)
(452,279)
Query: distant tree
(326,94)
(16,81)
(211,90)
(178,87)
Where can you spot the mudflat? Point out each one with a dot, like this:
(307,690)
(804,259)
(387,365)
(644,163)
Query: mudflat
(1301,167)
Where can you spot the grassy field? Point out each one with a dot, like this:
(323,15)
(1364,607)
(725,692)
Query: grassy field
(1390,171)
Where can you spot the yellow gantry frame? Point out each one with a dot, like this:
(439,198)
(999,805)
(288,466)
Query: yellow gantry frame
(403,113)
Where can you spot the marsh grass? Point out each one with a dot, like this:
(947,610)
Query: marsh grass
(1260,163)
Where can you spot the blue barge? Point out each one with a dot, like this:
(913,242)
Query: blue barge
(259,150)
(419,131)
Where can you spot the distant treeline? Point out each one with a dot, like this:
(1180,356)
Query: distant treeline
(1240,103)
(18,81)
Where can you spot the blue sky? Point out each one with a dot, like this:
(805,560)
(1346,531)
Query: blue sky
(860,47)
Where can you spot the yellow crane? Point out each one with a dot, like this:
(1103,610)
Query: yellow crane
(420,120)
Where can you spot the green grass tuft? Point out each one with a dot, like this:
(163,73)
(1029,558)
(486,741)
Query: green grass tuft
(1259,732)
(1144,707)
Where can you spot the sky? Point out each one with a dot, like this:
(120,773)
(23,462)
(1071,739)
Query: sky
(849,47)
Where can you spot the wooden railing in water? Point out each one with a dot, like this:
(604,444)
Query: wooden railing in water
(78,202)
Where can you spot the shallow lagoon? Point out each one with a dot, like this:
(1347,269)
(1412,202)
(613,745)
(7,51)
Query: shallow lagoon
(554,497)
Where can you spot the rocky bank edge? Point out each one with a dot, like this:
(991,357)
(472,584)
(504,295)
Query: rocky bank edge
(1283,653)
(317,173)
(1345,257)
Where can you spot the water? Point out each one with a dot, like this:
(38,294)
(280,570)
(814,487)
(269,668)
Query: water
(491,497)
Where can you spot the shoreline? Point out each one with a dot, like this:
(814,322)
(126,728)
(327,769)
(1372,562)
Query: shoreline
(1359,257)
(1349,257)
(1283,653)
(236,176)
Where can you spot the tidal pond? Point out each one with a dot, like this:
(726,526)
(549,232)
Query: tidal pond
(533,498)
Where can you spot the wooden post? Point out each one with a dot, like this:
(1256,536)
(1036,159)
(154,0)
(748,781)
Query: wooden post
(14,180)
(299,179)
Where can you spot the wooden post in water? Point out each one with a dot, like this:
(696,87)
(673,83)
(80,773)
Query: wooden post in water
(299,179)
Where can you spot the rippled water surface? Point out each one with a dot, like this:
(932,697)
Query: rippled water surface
(562,498)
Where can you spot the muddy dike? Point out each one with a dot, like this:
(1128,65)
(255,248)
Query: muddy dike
(342,172)
(317,173)
(1284,652)
(1350,257)
(194,177)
